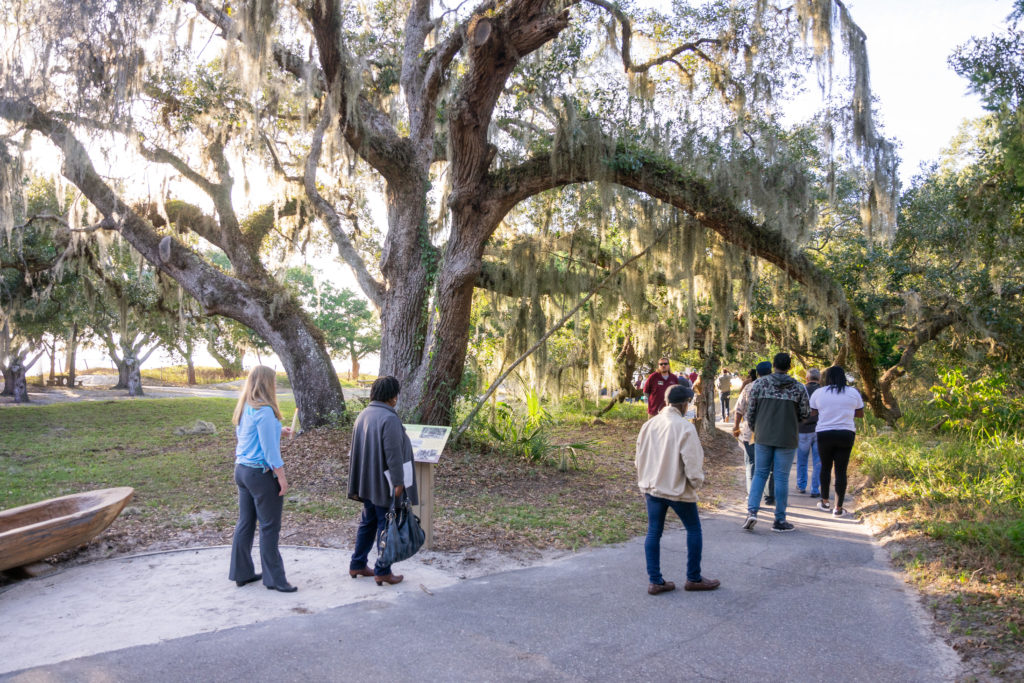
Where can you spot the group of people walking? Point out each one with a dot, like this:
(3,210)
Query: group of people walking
(777,419)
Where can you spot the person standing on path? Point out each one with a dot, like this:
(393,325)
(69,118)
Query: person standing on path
(724,390)
(836,406)
(741,428)
(261,481)
(809,442)
(670,469)
(776,405)
(656,386)
(380,470)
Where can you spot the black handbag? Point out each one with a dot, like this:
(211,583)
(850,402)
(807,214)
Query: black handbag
(402,537)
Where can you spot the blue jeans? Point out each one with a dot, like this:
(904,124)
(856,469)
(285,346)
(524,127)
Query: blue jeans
(657,508)
(372,523)
(776,461)
(808,446)
(748,463)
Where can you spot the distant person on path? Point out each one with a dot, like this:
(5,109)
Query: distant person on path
(656,386)
(740,428)
(724,389)
(259,474)
(836,405)
(776,405)
(809,442)
(380,470)
(670,469)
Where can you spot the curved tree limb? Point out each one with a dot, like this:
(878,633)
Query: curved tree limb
(373,289)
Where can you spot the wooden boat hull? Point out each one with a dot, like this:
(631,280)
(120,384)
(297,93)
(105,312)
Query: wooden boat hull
(32,532)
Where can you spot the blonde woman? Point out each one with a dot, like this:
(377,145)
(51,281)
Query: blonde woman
(259,473)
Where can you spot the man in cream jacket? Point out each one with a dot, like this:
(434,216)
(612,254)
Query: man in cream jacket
(670,469)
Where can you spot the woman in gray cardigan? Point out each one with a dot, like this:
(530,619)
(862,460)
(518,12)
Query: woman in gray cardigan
(380,469)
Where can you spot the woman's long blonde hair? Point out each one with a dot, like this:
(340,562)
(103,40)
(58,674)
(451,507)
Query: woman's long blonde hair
(260,390)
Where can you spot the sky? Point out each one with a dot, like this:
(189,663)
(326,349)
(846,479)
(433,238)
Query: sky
(921,100)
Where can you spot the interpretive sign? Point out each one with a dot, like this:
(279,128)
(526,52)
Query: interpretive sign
(427,441)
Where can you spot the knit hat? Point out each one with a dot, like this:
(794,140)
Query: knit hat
(764,368)
(679,394)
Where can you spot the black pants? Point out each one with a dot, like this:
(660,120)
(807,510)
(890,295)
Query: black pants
(834,447)
(258,499)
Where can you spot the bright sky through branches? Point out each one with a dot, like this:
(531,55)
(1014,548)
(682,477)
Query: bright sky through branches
(921,99)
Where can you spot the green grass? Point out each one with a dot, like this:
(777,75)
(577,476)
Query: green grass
(955,498)
(48,451)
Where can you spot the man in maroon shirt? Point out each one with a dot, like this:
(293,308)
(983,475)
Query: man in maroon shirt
(656,386)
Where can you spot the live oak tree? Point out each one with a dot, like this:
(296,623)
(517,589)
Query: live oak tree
(457,116)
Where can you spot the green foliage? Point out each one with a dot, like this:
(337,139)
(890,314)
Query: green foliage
(986,408)
(525,432)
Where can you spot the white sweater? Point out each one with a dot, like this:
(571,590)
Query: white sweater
(669,457)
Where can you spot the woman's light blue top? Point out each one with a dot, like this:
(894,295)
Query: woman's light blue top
(259,438)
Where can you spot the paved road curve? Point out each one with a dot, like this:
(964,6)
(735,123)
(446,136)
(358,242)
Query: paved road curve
(818,604)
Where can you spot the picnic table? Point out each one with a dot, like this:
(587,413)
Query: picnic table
(60,381)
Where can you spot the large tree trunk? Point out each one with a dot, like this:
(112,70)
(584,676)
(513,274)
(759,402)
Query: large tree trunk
(8,375)
(19,382)
(704,402)
(355,367)
(191,370)
(72,353)
(122,372)
(134,375)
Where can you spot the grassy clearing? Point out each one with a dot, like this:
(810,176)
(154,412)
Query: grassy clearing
(954,501)
(58,449)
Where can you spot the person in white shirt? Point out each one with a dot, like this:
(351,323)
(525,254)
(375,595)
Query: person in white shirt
(670,469)
(836,404)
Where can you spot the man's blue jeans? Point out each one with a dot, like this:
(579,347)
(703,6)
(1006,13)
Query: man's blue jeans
(657,508)
(771,460)
(748,467)
(808,446)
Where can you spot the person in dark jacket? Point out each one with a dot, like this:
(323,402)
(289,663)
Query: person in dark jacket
(808,445)
(775,408)
(380,469)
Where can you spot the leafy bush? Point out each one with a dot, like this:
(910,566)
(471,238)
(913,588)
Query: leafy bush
(526,433)
(983,407)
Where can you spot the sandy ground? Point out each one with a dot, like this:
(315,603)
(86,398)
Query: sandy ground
(149,598)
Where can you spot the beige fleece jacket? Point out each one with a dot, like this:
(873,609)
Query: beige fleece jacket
(669,457)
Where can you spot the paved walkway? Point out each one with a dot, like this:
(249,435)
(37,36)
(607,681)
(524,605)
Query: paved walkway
(818,604)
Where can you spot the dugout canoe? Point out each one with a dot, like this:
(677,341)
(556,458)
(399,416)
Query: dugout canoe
(32,532)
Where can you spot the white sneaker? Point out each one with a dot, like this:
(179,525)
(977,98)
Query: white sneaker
(839,512)
(749,523)
(823,506)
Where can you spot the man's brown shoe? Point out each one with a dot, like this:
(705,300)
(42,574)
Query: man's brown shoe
(388,578)
(703,585)
(656,588)
(356,573)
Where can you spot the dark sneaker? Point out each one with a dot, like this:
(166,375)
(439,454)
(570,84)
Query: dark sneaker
(750,521)
(815,494)
(769,501)
(705,584)
(656,588)
(801,490)
(782,527)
